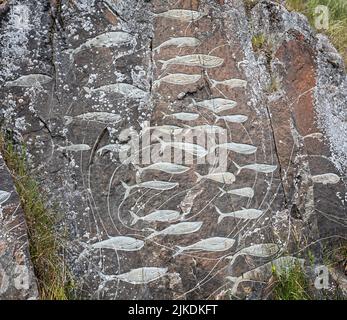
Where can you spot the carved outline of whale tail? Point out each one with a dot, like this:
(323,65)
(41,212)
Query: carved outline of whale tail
(127,189)
(164,66)
(192,104)
(199,177)
(139,169)
(232,258)
(82,255)
(214,83)
(153,234)
(164,115)
(135,218)
(178,252)
(157,49)
(221,215)
(239,168)
(223,192)
(88,90)
(86,250)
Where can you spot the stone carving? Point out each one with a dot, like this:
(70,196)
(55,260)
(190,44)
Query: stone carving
(111,76)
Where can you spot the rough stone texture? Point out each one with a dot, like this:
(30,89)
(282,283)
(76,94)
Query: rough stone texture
(17,280)
(297,125)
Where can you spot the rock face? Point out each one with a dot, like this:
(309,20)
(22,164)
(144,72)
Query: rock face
(83,82)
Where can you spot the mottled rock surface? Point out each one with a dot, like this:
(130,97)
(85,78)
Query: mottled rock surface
(148,63)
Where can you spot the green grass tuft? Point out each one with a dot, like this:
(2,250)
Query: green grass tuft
(337,19)
(290,284)
(46,248)
(258,41)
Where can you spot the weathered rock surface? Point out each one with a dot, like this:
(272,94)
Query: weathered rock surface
(293,108)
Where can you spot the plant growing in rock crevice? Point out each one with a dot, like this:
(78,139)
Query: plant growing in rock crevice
(45,246)
(258,41)
(265,45)
(290,284)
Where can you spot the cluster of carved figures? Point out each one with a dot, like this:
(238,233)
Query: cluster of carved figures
(178,223)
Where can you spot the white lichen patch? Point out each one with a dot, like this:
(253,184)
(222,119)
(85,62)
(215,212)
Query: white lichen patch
(330,103)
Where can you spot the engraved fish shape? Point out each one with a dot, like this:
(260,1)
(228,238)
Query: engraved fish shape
(242,192)
(194,60)
(30,80)
(157,215)
(244,214)
(215,105)
(113,148)
(177,229)
(143,275)
(125,89)
(166,167)
(236,147)
(326,178)
(4,196)
(120,243)
(258,167)
(75,147)
(263,250)
(263,272)
(104,40)
(190,148)
(238,118)
(179,42)
(169,129)
(222,177)
(232,83)
(215,244)
(104,117)
(181,15)
(316,135)
(153,185)
(184,116)
(180,79)
(208,128)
